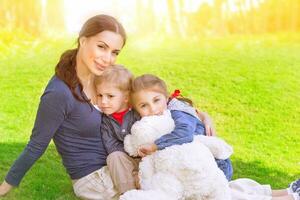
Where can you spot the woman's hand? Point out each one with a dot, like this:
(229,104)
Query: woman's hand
(146,149)
(5,188)
(208,124)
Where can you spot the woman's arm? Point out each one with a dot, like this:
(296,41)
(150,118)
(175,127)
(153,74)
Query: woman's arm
(208,123)
(51,113)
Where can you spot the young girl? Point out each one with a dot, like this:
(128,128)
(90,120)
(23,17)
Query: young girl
(150,97)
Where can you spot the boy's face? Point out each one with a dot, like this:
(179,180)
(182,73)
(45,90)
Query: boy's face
(110,99)
(148,102)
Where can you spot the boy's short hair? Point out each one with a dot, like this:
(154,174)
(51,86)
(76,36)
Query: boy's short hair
(116,75)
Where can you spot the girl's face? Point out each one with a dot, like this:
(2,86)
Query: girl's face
(100,51)
(149,102)
(111,99)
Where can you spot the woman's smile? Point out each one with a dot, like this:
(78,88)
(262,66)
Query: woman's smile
(99,66)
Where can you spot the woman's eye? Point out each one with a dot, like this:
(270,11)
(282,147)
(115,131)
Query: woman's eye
(156,100)
(143,106)
(110,96)
(101,46)
(116,53)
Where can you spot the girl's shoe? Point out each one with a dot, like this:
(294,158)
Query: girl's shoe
(295,187)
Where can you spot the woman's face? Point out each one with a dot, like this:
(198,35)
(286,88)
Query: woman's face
(148,102)
(100,51)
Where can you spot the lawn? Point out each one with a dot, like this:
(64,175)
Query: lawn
(250,86)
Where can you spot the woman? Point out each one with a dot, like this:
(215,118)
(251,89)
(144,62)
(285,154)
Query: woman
(67,114)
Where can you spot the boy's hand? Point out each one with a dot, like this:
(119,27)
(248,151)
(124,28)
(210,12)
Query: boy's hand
(146,149)
(5,188)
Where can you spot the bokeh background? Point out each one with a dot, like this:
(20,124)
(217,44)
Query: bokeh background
(184,18)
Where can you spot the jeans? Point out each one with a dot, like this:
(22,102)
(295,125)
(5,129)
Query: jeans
(226,167)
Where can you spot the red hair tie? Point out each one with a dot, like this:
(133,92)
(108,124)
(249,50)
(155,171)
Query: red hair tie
(176,94)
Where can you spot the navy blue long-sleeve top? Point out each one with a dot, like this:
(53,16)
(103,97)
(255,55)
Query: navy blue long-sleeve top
(74,127)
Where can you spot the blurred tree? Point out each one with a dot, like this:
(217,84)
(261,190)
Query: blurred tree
(54,15)
(218,21)
(218,17)
(176,18)
(145,17)
(24,15)
(260,16)
(32,16)
(174,30)
(295,15)
(182,18)
(200,22)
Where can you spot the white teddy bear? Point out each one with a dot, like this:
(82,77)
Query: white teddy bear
(187,171)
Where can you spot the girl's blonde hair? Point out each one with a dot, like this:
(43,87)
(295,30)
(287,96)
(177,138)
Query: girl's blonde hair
(154,83)
(116,75)
(149,82)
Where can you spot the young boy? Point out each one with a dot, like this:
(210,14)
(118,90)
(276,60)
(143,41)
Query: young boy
(113,88)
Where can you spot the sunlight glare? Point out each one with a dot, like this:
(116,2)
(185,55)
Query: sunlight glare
(77,11)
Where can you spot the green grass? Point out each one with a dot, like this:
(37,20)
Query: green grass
(250,85)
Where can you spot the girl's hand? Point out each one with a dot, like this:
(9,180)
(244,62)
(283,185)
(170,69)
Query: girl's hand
(5,188)
(208,124)
(146,149)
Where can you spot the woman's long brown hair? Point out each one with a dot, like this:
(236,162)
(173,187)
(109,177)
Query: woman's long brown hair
(66,67)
